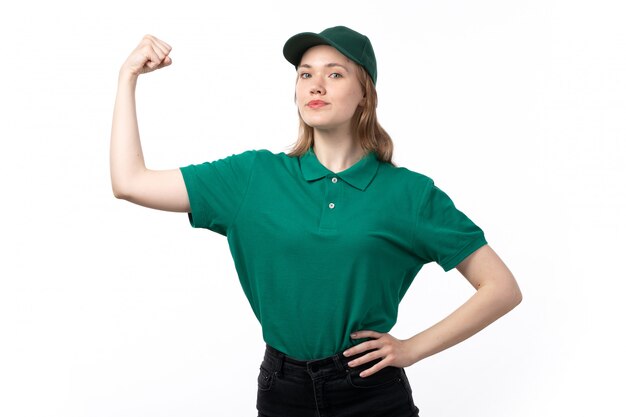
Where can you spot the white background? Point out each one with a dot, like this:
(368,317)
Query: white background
(515,109)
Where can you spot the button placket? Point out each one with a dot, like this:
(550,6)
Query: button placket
(331,202)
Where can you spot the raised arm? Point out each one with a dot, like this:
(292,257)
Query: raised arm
(130,179)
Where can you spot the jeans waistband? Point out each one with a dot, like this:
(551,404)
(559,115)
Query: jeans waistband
(337,363)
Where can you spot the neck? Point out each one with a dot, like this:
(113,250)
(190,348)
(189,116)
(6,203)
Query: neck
(336,152)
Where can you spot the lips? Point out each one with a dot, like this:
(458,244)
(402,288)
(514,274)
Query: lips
(315,104)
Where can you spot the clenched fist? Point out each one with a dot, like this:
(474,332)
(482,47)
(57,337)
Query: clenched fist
(151,54)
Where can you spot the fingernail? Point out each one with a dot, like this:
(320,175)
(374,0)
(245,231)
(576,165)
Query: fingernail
(345,353)
(353,335)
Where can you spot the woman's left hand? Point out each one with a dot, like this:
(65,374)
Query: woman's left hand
(395,352)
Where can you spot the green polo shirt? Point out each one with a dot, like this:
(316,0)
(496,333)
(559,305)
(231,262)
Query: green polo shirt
(322,254)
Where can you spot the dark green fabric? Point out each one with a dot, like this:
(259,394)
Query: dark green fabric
(312,273)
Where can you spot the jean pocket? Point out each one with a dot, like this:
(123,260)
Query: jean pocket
(386,376)
(265,379)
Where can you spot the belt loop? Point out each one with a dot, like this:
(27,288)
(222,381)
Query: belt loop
(338,363)
(281,360)
(275,358)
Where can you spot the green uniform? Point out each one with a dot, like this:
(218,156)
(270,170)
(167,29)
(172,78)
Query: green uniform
(321,254)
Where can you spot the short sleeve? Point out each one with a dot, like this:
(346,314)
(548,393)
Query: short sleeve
(443,233)
(216,190)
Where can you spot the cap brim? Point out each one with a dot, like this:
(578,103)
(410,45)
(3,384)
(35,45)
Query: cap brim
(297,45)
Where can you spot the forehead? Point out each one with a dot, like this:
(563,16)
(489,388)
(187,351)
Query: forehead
(322,54)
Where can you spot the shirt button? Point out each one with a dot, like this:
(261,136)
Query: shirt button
(334,179)
(331,205)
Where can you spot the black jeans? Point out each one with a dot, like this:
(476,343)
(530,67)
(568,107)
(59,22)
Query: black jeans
(330,388)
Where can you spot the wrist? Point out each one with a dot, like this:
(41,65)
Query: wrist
(416,348)
(127,77)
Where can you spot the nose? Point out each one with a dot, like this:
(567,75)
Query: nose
(317,87)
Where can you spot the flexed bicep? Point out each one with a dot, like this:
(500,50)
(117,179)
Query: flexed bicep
(130,179)
(161,190)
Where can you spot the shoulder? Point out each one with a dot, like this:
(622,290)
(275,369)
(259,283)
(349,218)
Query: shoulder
(270,159)
(265,154)
(406,177)
(252,156)
(269,154)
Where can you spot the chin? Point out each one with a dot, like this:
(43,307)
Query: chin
(315,123)
(319,126)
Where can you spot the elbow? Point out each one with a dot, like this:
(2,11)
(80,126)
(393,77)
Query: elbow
(517,298)
(506,296)
(510,292)
(514,296)
(125,186)
(119,192)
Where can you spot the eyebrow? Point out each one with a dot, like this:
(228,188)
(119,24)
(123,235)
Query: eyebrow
(332,64)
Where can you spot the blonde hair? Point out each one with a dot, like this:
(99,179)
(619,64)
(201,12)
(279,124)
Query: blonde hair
(365,127)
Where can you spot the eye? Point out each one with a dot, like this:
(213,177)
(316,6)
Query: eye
(337,75)
(305,75)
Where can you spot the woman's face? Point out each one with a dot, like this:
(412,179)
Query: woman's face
(327,89)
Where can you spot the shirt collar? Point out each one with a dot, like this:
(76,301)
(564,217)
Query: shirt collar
(358,175)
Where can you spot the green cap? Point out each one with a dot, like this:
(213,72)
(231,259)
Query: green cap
(352,44)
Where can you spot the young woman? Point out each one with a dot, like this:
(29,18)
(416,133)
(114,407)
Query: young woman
(327,239)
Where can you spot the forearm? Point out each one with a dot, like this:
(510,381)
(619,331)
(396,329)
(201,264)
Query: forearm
(126,155)
(487,305)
